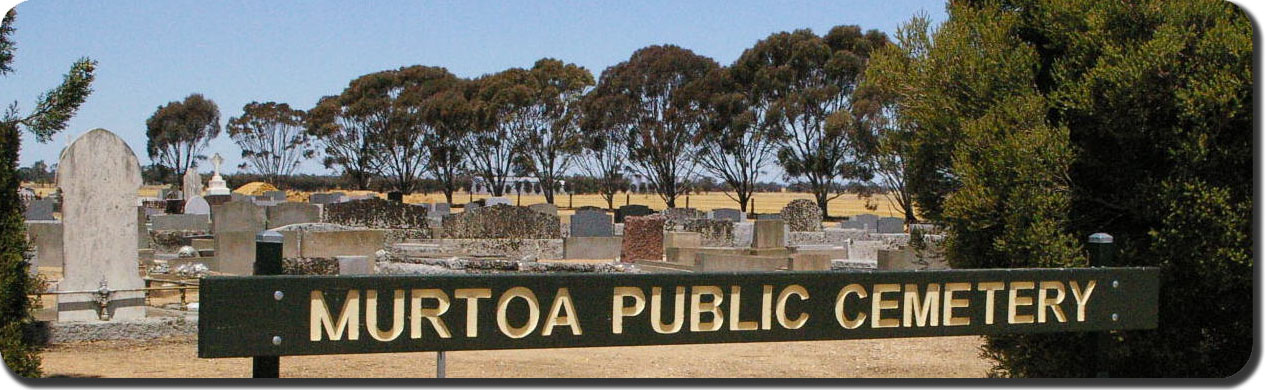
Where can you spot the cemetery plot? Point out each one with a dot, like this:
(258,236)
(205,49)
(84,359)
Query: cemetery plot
(311,315)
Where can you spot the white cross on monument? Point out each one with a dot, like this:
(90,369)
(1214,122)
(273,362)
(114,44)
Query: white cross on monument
(217,186)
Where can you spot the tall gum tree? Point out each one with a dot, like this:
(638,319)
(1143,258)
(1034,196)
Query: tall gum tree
(662,99)
(450,113)
(272,138)
(734,146)
(179,132)
(604,142)
(803,86)
(551,138)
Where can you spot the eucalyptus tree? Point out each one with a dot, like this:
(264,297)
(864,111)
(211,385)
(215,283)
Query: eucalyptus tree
(377,126)
(346,140)
(450,113)
(660,92)
(179,131)
(604,154)
(494,146)
(272,138)
(549,118)
(734,146)
(803,86)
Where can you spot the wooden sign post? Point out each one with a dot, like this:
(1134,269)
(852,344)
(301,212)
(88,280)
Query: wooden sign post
(271,316)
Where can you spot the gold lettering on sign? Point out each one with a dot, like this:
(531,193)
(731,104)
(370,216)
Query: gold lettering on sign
(397,316)
(878,304)
(766,307)
(736,323)
(950,303)
(849,323)
(781,309)
(990,288)
(1082,297)
(1044,302)
(619,311)
(432,315)
(562,302)
(657,316)
(472,297)
(698,307)
(1014,301)
(923,311)
(534,312)
(348,319)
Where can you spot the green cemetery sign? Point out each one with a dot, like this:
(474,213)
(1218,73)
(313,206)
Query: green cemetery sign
(312,315)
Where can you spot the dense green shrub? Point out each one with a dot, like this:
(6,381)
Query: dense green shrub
(1040,122)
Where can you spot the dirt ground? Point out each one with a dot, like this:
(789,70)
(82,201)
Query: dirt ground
(902,358)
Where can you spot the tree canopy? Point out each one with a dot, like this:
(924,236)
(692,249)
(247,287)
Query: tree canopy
(272,138)
(179,131)
(1038,123)
(658,92)
(801,85)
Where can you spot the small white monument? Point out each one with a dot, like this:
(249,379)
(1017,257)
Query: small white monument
(216,186)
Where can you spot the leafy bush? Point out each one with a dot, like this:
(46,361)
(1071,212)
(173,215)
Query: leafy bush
(1042,122)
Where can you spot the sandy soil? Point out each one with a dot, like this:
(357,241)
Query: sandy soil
(913,357)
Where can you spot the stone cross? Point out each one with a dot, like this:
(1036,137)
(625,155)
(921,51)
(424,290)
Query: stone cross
(216,160)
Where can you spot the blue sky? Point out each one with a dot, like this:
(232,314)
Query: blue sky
(235,52)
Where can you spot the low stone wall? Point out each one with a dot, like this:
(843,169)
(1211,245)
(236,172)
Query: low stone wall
(432,266)
(140,329)
(510,248)
(309,266)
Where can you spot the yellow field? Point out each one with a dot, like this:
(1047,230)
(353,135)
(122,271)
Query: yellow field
(766,202)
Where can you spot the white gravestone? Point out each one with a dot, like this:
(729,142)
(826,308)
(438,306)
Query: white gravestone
(197,205)
(192,183)
(217,186)
(99,177)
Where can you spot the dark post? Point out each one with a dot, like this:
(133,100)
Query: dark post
(268,262)
(1102,250)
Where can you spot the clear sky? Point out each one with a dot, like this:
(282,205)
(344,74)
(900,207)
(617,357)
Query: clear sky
(235,52)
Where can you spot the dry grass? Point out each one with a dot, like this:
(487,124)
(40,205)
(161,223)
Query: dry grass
(935,357)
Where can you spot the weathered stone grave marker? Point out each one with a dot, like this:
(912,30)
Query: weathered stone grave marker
(197,205)
(99,177)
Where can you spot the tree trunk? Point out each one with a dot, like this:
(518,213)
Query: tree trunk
(821,198)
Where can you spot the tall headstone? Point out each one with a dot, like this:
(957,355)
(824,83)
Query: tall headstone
(197,205)
(643,239)
(290,213)
(890,225)
(545,208)
(99,177)
(192,182)
(587,223)
(870,221)
(46,237)
(235,225)
(769,233)
(802,215)
(729,214)
(217,185)
(631,210)
(39,210)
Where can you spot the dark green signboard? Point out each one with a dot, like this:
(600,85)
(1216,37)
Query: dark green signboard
(311,315)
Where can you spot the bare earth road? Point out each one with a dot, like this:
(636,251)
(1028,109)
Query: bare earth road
(906,358)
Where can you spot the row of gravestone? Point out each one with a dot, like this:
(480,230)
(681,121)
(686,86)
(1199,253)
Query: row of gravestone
(873,223)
